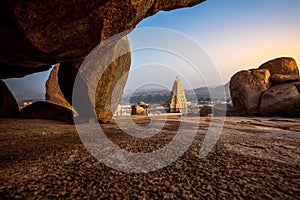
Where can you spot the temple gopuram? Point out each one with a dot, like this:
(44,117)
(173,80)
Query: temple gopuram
(178,100)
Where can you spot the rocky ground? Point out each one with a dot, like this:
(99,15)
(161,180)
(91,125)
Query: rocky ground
(255,158)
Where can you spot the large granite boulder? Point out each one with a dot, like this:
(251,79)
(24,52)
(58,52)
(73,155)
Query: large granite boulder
(100,80)
(46,110)
(110,87)
(284,66)
(277,100)
(246,88)
(8,104)
(274,94)
(36,34)
(53,91)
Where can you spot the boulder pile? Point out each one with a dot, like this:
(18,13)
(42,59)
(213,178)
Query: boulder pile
(271,90)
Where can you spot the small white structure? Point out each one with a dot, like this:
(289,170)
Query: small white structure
(123,110)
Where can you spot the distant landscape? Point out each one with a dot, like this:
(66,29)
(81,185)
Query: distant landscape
(161,96)
(152,96)
(30,96)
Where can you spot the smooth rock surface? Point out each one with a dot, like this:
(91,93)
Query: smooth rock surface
(277,100)
(105,78)
(45,110)
(246,88)
(99,83)
(8,104)
(284,65)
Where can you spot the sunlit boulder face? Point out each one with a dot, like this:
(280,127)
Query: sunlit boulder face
(100,81)
(35,34)
(246,88)
(53,92)
(282,66)
(107,77)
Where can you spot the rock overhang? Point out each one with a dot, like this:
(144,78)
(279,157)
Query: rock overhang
(38,34)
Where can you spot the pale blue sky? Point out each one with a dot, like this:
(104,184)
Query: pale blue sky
(235,34)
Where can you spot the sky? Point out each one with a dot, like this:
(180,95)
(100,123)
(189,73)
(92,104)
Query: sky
(231,35)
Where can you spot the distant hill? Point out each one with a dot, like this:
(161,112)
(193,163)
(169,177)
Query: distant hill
(147,95)
(205,92)
(162,96)
(30,96)
(144,91)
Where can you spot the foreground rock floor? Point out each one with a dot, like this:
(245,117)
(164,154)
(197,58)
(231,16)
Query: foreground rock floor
(254,158)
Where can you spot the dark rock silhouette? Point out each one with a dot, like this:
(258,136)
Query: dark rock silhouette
(46,110)
(8,104)
(205,111)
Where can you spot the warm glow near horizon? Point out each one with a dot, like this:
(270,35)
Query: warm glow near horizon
(250,50)
(245,55)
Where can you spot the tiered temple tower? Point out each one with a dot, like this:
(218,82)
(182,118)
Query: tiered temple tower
(178,100)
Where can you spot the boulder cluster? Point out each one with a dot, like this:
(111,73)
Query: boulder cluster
(273,89)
